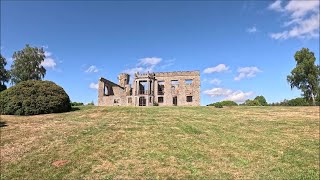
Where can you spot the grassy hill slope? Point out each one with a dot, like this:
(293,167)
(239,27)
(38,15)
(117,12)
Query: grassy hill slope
(163,142)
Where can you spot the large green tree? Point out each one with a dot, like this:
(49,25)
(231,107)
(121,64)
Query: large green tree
(261,100)
(27,64)
(306,75)
(4,74)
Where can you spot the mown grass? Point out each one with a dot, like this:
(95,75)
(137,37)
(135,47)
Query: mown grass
(163,143)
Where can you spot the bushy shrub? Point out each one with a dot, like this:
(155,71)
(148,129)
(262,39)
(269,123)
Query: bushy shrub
(77,104)
(34,97)
(218,105)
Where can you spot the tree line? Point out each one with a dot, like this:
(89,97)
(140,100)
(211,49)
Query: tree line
(305,77)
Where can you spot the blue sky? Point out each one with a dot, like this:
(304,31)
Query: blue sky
(241,48)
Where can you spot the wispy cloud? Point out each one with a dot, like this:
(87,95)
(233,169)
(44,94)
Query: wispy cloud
(252,29)
(94,85)
(303,19)
(92,69)
(49,61)
(247,72)
(228,94)
(215,81)
(276,6)
(144,65)
(150,61)
(167,63)
(218,68)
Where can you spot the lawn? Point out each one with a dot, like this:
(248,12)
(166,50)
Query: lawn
(163,143)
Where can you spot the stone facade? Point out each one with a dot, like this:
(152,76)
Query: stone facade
(180,88)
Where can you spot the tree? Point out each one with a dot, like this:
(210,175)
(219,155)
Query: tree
(27,64)
(252,103)
(4,74)
(306,75)
(262,101)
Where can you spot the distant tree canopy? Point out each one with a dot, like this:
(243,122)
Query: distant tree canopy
(257,101)
(27,64)
(292,102)
(254,102)
(262,101)
(4,74)
(306,75)
(224,103)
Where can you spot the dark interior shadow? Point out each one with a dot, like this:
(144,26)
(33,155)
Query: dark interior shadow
(3,124)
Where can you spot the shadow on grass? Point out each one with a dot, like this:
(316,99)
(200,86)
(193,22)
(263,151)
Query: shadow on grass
(3,124)
(75,109)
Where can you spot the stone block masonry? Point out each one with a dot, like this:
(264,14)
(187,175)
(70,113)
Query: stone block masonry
(180,88)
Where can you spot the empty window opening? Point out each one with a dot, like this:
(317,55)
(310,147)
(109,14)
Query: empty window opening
(116,101)
(129,100)
(143,87)
(105,90)
(189,98)
(142,101)
(150,99)
(160,87)
(188,81)
(175,101)
(160,99)
(174,84)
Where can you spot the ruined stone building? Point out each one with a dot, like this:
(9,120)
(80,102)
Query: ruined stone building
(180,88)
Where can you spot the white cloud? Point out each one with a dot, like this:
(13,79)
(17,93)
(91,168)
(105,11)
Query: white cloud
(247,72)
(276,6)
(228,94)
(47,53)
(303,20)
(150,61)
(218,68)
(302,8)
(252,29)
(92,69)
(215,81)
(49,63)
(94,86)
(144,65)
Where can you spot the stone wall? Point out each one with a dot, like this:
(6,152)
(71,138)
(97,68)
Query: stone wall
(120,95)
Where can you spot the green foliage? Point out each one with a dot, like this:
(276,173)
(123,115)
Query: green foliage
(262,101)
(292,102)
(27,64)
(90,104)
(4,74)
(225,103)
(306,75)
(298,102)
(77,104)
(218,105)
(252,103)
(34,97)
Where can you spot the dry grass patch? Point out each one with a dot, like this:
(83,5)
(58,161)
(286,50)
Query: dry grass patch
(163,142)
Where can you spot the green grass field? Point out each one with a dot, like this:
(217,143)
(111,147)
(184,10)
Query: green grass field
(163,143)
